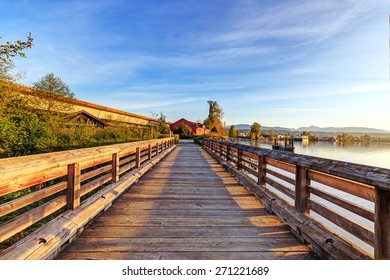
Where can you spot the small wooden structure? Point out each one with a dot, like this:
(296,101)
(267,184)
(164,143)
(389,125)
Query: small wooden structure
(288,145)
(85,118)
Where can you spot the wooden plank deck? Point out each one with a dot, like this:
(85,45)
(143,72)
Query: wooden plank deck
(187,207)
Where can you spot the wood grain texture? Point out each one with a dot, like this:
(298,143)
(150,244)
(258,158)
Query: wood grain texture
(187,207)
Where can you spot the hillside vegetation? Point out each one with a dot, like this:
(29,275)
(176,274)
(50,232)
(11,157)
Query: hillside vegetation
(27,128)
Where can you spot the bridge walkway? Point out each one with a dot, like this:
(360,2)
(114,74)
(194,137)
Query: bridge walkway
(187,207)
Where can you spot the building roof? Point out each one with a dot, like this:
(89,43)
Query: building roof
(194,123)
(85,117)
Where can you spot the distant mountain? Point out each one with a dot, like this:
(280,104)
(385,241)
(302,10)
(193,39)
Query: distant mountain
(342,129)
(312,128)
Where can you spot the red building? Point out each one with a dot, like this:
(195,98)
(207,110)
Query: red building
(195,127)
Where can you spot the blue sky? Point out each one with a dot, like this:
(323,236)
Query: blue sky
(280,63)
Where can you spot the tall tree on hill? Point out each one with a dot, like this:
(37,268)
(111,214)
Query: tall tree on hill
(53,84)
(214,119)
(255,131)
(232,131)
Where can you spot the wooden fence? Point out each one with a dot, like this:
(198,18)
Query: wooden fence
(342,209)
(65,190)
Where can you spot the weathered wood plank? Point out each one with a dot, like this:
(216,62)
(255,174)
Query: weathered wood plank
(16,204)
(281,165)
(27,219)
(365,213)
(354,188)
(280,187)
(90,186)
(382,225)
(218,244)
(47,240)
(187,231)
(305,228)
(94,173)
(296,255)
(73,189)
(122,220)
(357,230)
(22,181)
(371,175)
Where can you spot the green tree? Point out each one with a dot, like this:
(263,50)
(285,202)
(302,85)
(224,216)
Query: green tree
(184,132)
(214,119)
(56,94)
(7,52)
(53,84)
(12,49)
(271,135)
(161,125)
(255,131)
(232,131)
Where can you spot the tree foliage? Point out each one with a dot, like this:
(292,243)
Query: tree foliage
(7,52)
(232,131)
(53,84)
(214,119)
(161,125)
(52,95)
(255,131)
(184,131)
(12,49)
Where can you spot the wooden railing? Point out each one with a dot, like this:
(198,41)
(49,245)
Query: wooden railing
(59,187)
(342,209)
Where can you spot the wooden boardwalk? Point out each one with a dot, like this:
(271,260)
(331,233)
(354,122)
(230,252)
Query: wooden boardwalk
(187,207)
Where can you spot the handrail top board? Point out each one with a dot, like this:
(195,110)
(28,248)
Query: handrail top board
(14,166)
(371,175)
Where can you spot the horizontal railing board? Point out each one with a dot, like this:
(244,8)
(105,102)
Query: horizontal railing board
(29,218)
(10,167)
(354,188)
(354,208)
(63,228)
(355,229)
(23,181)
(23,201)
(371,175)
(303,174)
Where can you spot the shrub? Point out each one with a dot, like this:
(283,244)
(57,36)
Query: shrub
(177,138)
(199,139)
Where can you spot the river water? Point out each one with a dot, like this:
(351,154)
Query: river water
(373,154)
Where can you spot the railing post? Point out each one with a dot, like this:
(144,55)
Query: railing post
(137,158)
(382,225)
(149,152)
(301,193)
(115,167)
(239,158)
(73,197)
(157,149)
(227,153)
(261,170)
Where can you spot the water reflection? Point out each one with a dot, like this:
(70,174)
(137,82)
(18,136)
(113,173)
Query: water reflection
(368,153)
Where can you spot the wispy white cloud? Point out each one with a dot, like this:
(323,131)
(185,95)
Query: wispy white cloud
(316,20)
